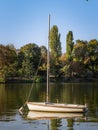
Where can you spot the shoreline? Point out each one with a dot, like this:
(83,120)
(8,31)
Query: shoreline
(64,80)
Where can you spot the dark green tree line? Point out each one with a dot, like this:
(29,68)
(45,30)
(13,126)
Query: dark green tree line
(79,60)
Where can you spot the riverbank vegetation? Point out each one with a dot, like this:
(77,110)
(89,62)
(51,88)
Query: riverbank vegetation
(79,61)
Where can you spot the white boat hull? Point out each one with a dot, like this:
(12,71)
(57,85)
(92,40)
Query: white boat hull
(55,107)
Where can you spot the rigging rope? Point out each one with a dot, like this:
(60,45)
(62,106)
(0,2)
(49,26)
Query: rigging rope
(32,86)
(34,80)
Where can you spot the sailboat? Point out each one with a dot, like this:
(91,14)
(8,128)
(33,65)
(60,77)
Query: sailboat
(54,107)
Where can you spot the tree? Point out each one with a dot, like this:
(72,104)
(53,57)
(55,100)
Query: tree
(31,56)
(69,48)
(55,44)
(79,51)
(92,55)
(8,62)
(69,45)
(43,64)
(79,55)
(55,50)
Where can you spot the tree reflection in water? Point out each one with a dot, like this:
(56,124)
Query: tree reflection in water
(13,96)
(70,123)
(55,124)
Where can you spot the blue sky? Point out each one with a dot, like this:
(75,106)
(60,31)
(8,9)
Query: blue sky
(26,21)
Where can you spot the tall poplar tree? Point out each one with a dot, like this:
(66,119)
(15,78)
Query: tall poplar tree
(55,44)
(69,45)
(55,50)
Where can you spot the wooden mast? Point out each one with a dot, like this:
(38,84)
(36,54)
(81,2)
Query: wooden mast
(48,66)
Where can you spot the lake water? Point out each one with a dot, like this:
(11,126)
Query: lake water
(13,96)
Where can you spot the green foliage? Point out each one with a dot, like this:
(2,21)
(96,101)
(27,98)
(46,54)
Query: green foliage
(2,80)
(65,70)
(55,48)
(8,61)
(92,55)
(78,56)
(69,45)
(30,55)
(38,79)
(80,59)
(55,44)
(43,62)
(79,51)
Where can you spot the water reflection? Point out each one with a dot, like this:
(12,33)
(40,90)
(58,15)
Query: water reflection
(70,123)
(55,124)
(13,96)
(50,115)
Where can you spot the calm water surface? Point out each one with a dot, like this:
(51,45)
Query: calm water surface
(13,96)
